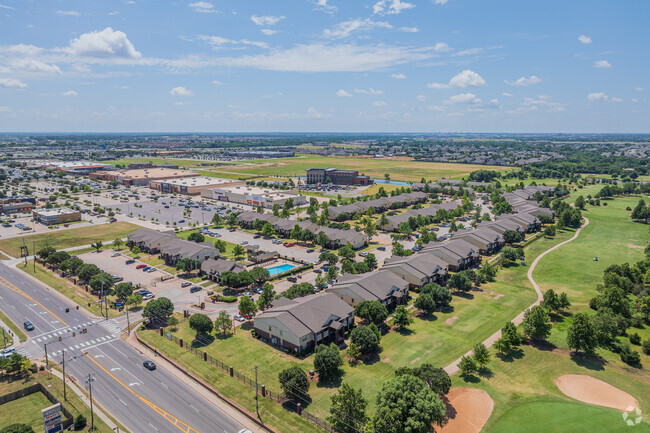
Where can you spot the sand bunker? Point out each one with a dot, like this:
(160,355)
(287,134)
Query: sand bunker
(468,409)
(594,391)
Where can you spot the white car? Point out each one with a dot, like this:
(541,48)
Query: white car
(7,352)
(116,254)
(244,242)
(239,318)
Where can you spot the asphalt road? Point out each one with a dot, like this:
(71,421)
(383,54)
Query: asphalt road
(142,400)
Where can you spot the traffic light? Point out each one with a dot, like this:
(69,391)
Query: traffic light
(67,310)
(73,334)
(84,331)
(60,338)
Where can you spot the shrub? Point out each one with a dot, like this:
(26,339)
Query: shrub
(80,422)
(646,346)
(635,339)
(227,298)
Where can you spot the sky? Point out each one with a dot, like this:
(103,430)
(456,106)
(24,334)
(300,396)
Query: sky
(324,66)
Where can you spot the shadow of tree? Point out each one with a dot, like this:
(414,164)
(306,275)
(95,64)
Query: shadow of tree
(514,353)
(485,373)
(464,295)
(203,340)
(470,378)
(542,344)
(590,362)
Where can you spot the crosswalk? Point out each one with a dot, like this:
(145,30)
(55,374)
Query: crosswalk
(85,344)
(112,326)
(46,338)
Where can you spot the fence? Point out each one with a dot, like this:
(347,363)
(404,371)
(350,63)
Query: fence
(32,389)
(228,369)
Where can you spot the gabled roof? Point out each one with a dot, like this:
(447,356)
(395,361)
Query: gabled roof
(424,265)
(219,266)
(371,286)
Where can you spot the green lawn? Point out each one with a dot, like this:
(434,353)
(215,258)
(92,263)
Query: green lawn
(15,329)
(69,238)
(28,409)
(376,168)
(229,245)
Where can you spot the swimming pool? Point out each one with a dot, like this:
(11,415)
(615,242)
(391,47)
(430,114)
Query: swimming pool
(275,270)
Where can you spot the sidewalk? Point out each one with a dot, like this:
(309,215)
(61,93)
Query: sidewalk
(198,389)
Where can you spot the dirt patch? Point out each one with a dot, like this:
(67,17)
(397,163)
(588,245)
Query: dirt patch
(415,360)
(594,391)
(451,320)
(385,360)
(635,246)
(494,295)
(468,409)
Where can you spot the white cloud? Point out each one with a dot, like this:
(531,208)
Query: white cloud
(440,2)
(507,95)
(219,42)
(602,64)
(462,80)
(12,82)
(421,98)
(598,96)
(615,99)
(638,89)
(203,7)
(331,58)
(68,13)
(181,103)
(441,47)
(268,32)
(217,83)
(181,91)
(391,6)
(542,101)
(266,20)
(409,29)
(322,4)
(584,39)
(399,76)
(437,108)
(312,113)
(379,104)
(107,43)
(369,91)
(33,65)
(523,81)
(69,93)
(21,49)
(343,94)
(4,108)
(344,29)
(463,98)
(5,7)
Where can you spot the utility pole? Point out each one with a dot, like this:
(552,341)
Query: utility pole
(34,251)
(47,360)
(92,416)
(4,339)
(64,394)
(257,396)
(128,324)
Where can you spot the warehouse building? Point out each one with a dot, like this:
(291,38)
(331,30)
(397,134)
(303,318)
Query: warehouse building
(253,196)
(56,215)
(141,177)
(191,185)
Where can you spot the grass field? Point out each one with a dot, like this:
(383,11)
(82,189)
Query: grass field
(523,386)
(69,238)
(374,189)
(28,409)
(376,168)
(14,328)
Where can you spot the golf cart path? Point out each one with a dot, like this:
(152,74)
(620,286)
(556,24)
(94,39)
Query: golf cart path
(453,367)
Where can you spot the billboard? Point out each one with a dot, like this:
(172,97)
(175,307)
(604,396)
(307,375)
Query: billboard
(52,419)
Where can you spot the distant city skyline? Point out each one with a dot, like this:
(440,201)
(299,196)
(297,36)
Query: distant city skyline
(324,66)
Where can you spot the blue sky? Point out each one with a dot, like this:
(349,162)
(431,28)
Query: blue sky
(324,65)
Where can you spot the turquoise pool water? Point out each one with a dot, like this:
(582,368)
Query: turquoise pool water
(275,270)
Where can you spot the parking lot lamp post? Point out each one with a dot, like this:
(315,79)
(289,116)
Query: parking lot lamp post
(128,324)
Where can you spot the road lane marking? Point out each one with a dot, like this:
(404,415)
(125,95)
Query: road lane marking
(4,282)
(166,415)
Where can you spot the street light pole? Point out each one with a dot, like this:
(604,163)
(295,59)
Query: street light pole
(92,416)
(64,394)
(257,403)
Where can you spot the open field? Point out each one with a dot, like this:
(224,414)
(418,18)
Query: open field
(523,385)
(376,168)
(182,163)
(28,409)
(431,340)
(69,238)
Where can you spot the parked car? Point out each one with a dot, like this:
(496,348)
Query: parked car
(149,365)
(186,284)
(318,271)
(239,317)
(140,266)
(151,270)
(243,243)
(381,248)
(146,268)
(257,237)
(310,250)
(258,289)
(116,254)
(6,353)
(363,253)
(288,244)
(130,261)
(292,279)
(195,289)
(148,296)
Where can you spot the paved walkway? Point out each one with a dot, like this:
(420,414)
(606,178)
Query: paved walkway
(453,367)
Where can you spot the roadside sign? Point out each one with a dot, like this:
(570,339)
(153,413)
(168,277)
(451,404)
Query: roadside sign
(52,419)
(169,336)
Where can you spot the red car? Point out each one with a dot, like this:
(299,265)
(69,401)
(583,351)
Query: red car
(288,244)
(140,266)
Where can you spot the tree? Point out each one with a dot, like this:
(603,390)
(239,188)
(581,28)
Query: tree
(371,261)
(216,219)
(564,301)
(510,255)
(353,352)
(348,410)
(440,295)
(460,282)
(299,290)
(511,236)
(436,378)
(222,246)
(268,230)
(136,250)
(581,335)
(57,258)
(80,422)
(157,311)
(549,231)
(223,322)
(294,383)
(346,252)
(135,300)
(43,253)
(18,428)
(266,297)
(186,265)
(510,333)
(323,240)
(232,220)
(123,290)
(425,303)
(401,318)
(502,345)
(196,237)
(365,339)
(117,243)
(238,251)
(580,202)
(372,311)
(551,300)
(481,355)
(467,366)
(97,245)
(329,257)
(72,264)
(406,404)
(201,324)
(102,283)
(247,307)
(383,221)
(259,275)
(327,362)
(536,323)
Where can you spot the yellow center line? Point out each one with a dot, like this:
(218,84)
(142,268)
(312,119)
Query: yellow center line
(166,415)
(12,287)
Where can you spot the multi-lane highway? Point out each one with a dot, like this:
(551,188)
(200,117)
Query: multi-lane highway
(142,400)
